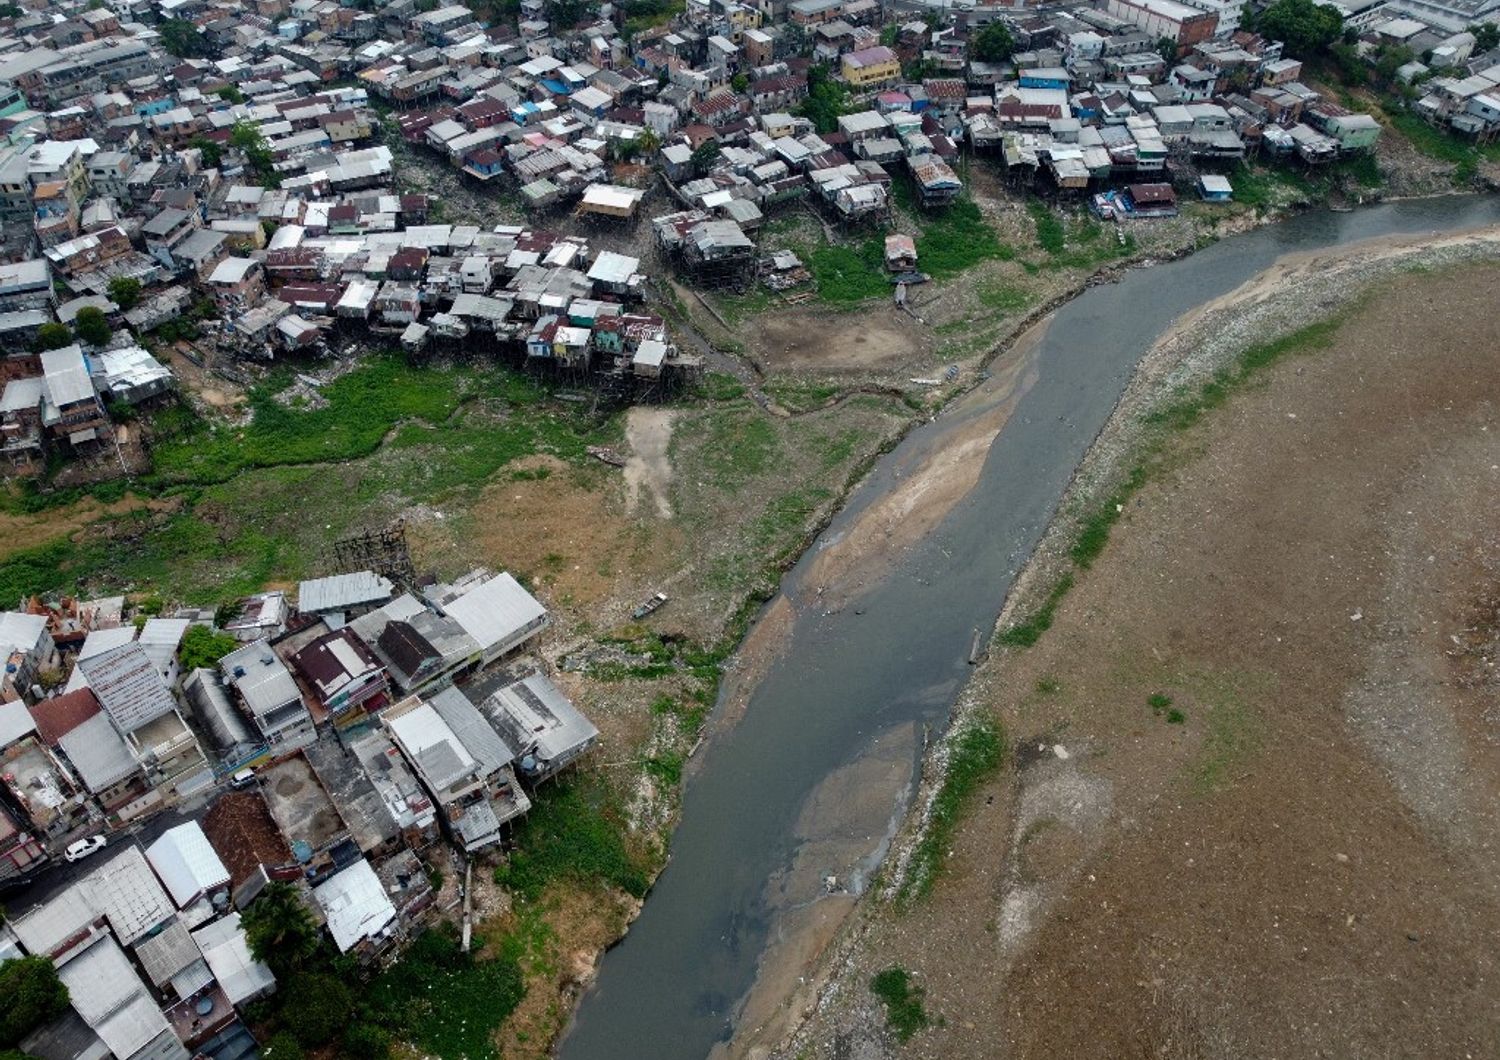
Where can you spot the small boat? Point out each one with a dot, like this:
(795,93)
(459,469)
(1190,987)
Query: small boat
(651,605)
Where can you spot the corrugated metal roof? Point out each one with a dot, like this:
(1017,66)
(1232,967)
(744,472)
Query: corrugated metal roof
(355,904)
(476,734)
(227,952)
(496,610)
(128,685)
(186,863)
(339,592)
(105,991)
(167,952)
(98,752)
(67,375)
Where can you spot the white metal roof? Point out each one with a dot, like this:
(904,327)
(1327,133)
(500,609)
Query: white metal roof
(109,996)
(98,752)
(186,863)
(612,196)
(15,722)
(495,610)
(355,904)
(610,267)
(20,631)
(339,592)
(232,270)
(227,951)
(67,375)
(433,748)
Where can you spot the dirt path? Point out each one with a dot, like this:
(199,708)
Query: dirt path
(648,470)
(1300,860)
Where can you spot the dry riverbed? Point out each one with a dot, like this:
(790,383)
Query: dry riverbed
(1251,789)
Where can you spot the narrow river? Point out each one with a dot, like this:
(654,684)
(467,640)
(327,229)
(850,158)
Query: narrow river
(857,681)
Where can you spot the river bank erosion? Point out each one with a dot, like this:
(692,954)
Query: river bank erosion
(1251,779)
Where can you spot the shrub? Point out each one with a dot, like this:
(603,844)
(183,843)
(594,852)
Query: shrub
(317,1008)
(204,647)
(904,1013)
(366,1041)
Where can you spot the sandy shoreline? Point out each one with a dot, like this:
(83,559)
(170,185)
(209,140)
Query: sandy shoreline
(1318,283)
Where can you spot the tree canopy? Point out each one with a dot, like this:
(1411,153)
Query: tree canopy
(183,39)
(1486,37)
(258,157)
(1304,26)
(124,291)
(31,995)
(705,156)
(994,44)
(212,153)
(280,929)
(53,336)
(91,326)
(826,99)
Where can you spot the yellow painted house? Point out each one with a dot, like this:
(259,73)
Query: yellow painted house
(871,66)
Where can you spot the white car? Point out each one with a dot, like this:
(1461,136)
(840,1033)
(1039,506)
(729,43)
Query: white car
(82,848)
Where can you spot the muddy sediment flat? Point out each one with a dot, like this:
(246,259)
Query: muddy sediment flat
(1290,850)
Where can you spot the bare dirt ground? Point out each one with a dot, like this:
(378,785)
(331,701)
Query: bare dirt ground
(648,469)
(811,337)
(1302,863)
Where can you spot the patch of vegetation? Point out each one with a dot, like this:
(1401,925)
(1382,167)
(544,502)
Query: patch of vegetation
(1048,686)
(666,768)
(445,431)
(977,752)
(721,386)
(446,1002)
(1176,717)
(204,647)
(1003,297)
(957,239)
(577,832)
(690,713)
(797,395)
(1049,227)
(1029,630)
(1158,701)
(848,275)
(905,1014)
(740,444)
(362,407)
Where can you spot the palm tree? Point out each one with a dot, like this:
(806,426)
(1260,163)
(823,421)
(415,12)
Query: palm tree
(280,929)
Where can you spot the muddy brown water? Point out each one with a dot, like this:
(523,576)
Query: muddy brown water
(890,658)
